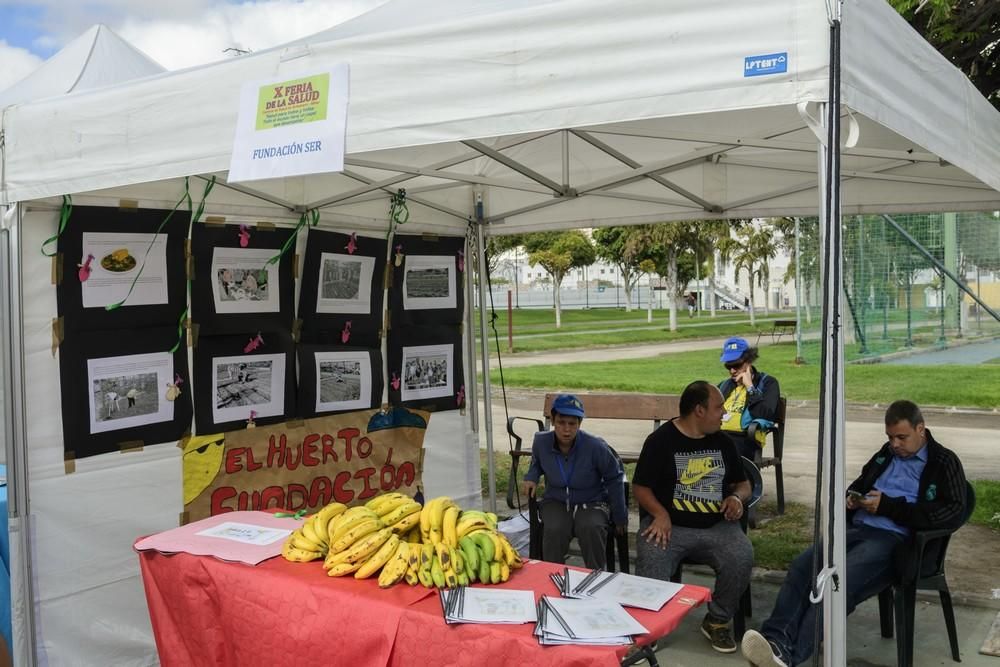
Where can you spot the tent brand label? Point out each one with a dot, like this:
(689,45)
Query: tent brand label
(769,63)
(293,102)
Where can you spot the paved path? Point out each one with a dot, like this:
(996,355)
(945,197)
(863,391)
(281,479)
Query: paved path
(963,355)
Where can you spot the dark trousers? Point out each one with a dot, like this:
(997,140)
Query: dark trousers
(588,523)
(792,625)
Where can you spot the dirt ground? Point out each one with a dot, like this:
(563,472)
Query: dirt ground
(973,565)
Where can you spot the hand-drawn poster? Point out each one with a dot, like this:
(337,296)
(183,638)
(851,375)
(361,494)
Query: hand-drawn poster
(347,458)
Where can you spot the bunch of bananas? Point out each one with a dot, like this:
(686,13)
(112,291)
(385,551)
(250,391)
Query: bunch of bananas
(434,545)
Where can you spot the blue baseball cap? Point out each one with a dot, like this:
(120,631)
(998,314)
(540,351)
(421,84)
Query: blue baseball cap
(568,404)
(733,349)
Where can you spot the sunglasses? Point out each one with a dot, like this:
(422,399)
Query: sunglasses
(733,365)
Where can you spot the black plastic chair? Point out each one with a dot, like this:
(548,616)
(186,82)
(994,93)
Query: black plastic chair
(777,433)
(900,599)
(516,452)
(615,541)
(746,601)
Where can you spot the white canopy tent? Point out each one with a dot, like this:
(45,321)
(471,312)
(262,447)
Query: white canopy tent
(554,114)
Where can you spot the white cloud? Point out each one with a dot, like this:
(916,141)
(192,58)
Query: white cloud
(15,64)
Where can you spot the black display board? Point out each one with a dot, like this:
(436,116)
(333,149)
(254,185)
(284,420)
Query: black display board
(111,248)
(428,276)
(237,374)
(338,379)
(122,389)
(342,285)
(235,289)
(425,367)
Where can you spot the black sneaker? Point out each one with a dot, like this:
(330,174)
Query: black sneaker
(719,634)
(760,652)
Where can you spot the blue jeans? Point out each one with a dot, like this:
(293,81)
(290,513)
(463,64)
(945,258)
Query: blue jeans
(792,624)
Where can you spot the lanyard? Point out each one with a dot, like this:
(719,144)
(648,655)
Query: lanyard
(566,478)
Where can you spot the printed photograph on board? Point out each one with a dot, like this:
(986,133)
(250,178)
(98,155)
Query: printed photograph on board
(115,260)
(125,391)
(244,282)
(428,372)
(345,283)
(245,383)
(343,381)
(429,282)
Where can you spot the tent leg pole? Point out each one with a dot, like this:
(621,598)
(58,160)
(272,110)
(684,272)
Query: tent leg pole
(23,644)
(484,342)
(833,510)
(472,391)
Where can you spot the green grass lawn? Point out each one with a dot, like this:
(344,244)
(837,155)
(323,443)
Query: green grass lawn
(865,383)
(987,503)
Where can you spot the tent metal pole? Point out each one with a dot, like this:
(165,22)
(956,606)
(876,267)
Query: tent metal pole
(832,404)
(484,342)
(15,433)
(472,392)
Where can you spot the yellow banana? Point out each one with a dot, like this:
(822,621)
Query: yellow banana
(358,531)
(300,541)
(340,569)
(437,516)
(379,501)
(412,578)
(426,555)
(448,526)
(492,519)
(510,555)
(329,511)
(298,555)
(443,553)
(396,567)
(437,574)
(308,529)
(401,512)
(497,547)
(457,560)
(413,556)
(494,572)
(504,571)
(379,558)
(393,505)
(468,524)
(425,521)
(425,578)
(367,545)
(450,578)
(347,527)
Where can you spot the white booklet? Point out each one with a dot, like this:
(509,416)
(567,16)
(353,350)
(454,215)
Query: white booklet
(483,605)
(588,620)
(628,590)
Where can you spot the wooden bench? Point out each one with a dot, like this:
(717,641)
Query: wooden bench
(654,408)
(782,327)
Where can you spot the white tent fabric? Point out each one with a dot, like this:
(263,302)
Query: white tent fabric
(559,113)
(96,59)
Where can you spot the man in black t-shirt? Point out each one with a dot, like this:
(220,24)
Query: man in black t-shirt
(691,488)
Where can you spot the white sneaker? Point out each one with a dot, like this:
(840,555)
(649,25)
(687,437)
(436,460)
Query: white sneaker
(759,652)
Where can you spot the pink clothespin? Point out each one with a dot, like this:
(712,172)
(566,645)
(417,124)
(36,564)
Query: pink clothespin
(399,255)
(460,397)
(85,269)
(250,422)
(254,343)
(345,335)
(461,261)
(395,382)
(244,236)
(352,244)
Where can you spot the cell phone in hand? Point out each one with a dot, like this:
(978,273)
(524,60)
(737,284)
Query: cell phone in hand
(856,495)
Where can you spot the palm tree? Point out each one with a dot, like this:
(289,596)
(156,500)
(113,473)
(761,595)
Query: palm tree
(750,249)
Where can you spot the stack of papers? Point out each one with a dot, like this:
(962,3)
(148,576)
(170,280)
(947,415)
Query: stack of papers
(626,589)
(594,622)
(483,605)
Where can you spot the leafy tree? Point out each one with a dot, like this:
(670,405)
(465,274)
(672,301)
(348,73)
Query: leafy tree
(966,32)
(664,244)
(612,245)
(497,247)
(704,240)
(750,249)
(558,253)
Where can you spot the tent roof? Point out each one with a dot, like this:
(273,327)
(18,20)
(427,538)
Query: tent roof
(95,59)
(562,113)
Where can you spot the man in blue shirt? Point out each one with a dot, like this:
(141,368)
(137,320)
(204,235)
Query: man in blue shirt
(584,486)
(911,483)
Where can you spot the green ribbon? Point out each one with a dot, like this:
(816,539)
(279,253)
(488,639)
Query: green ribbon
(185,197)
(296,515)
(399,213)
(64,213)
(187,290)
(312,217)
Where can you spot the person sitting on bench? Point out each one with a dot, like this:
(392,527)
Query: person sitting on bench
(749,396)
(584,486)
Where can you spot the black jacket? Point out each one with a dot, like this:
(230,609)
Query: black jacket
(762,402)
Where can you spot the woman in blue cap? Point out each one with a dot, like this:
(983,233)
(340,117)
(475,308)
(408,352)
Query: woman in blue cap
(749,395)
(584,486)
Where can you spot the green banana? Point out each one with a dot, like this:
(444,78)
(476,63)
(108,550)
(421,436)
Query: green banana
(468,547)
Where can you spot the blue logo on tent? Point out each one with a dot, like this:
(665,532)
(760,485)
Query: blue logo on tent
(769,63)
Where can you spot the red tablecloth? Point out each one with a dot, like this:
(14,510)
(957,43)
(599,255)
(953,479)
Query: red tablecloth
(208,612)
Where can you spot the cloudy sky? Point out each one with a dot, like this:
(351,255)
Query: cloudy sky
(175,33)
